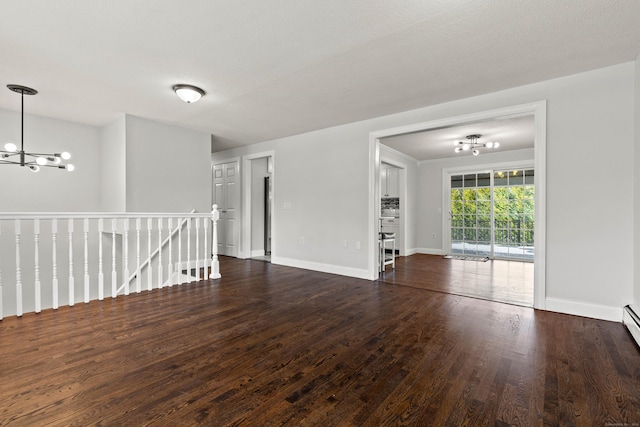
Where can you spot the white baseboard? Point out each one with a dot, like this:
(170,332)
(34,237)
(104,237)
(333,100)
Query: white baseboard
(595,311)
(325,268)
(429,251)
(257,253)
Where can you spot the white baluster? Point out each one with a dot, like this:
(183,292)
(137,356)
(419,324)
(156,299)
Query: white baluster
(36,237)
(197,249)
(138,280)
(72,297)
(54,282)
(215,264)
(86,260)
(1,299)
(100,263)
(126,255)
(189,249)
(160,284)
(205,223)
(180,266)
(149,269)
(18,271)
(170,268)
(114,273)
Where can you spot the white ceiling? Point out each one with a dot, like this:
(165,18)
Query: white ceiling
(513,133)
(282,67)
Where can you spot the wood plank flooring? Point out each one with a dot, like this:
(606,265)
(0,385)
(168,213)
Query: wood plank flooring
(272,345)
(494,280)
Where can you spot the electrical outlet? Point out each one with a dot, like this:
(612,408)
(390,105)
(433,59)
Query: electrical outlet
(433,235)
(301,241)
(358,244)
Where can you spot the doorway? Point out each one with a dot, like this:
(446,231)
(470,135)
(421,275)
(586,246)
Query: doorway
(261,209)
(258,206)
(537,111)
(393,201)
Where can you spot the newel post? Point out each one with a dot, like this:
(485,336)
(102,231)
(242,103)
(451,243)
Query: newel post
(215,264)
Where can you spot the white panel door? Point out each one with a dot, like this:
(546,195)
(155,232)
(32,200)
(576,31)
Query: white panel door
(226,194)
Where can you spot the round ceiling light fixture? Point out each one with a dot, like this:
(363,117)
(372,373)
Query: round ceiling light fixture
(188,93)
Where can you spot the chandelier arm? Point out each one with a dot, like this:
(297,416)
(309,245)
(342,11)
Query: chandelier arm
(9,153)
(44,154)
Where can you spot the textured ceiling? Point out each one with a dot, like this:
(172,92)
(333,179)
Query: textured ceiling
(282,67)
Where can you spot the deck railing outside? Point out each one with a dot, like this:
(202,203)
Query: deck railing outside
(53,259)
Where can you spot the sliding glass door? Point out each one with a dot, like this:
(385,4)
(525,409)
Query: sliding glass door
(491,214)
(471,214)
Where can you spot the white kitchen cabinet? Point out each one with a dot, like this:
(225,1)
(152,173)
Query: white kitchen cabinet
(393,182)
(390,182)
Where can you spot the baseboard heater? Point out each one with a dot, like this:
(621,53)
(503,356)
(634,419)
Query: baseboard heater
(631,320)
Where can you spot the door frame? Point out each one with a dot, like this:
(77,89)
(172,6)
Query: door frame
(245,245)
(539,110)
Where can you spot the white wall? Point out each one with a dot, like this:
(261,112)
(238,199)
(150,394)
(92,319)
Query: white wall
(168,168)
(325,176)
(430,206)
(51,190)
(114,172)
(133,165)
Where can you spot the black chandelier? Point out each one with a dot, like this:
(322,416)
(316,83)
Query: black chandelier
(10,155)
(473,144)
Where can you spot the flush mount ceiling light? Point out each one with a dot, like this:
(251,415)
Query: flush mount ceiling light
(10,155)
(188,93)
(473,144)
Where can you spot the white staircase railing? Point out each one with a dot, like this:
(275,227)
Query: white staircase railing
(141,267)
(99,244)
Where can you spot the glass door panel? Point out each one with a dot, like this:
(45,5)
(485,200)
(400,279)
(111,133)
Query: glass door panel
(492,214)
(465,236)
(513,206)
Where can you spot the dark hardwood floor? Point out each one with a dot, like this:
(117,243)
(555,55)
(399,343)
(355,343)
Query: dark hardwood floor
(273,345)
(494,280)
